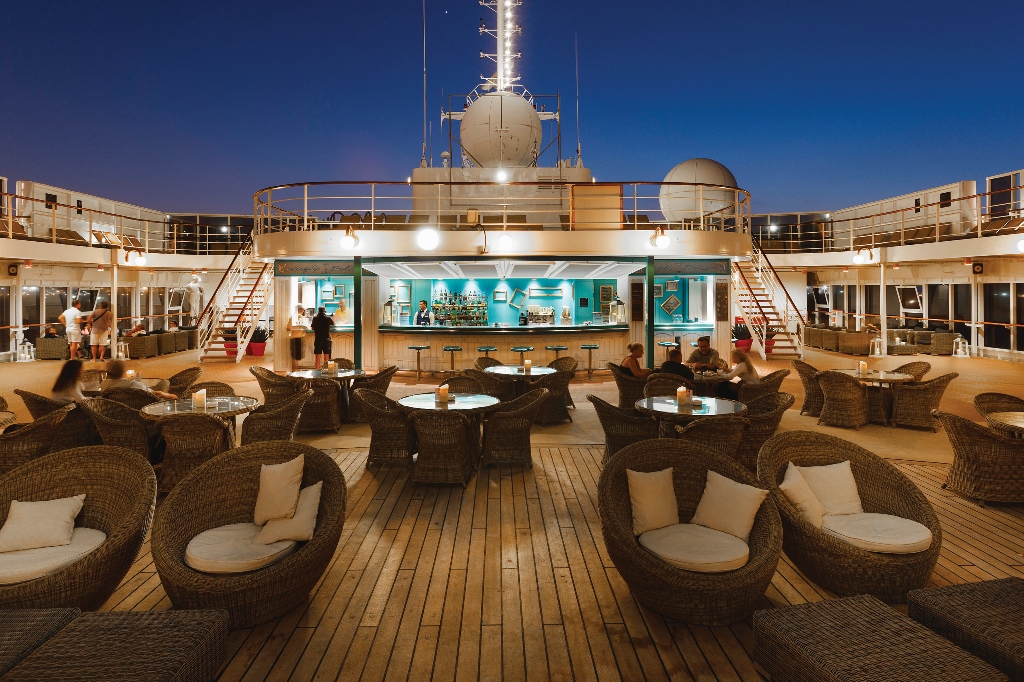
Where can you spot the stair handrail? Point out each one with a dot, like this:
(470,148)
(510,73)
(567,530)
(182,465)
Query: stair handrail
(246,322)
(758,334)
(220,297)
(759,257)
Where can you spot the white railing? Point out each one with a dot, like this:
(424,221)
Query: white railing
(249,318)
(221,297)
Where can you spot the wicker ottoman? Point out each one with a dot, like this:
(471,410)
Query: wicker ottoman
(858,639)
(52,349)
(903,349)
(162,645)
(983,618)
(23,630)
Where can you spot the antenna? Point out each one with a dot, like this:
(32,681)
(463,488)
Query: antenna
(502,33)
(423,157)
(576,46)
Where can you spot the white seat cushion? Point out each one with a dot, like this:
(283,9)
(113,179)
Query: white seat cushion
(696,548)
(29,564)
(879,532)
(230,549)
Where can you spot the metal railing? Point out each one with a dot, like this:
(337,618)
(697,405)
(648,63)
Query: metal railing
(219,300)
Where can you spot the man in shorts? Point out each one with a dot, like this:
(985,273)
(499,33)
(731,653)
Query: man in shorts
(321,338)
(101,319)
(71,319)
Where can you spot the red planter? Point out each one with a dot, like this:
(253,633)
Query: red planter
(256,349)
(744,344)
(768,345)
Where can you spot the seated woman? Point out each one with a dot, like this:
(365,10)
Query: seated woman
(68,387)
(632,362)
(742,368)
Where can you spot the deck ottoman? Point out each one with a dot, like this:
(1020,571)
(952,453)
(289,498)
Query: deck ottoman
(23,630)
(985,618)
(903,349)
(164,645)
(858,639)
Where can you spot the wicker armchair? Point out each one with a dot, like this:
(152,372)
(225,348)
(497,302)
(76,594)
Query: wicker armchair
(846,401)
(165,343)
(275,388)
(180,382)
(181,340)
(322,411)
(52,349)
(988,465)
(912,403)
(830,562)
(214,389)
(496,385)
(664,384)
(120,493)
(720,434)
(631,388)
(566,364)
(445,453)
(392,437)
(701,598)
(986,403)
(93,377)
(507,431)
(145,346)
(275,422)
(484,361)
(766,386)
(77,429)
(553,410)
(191,440)
(855,343)
(343,363)
(134,398)
(814,399)
(463,384)
(223,491)
(942,343)
(31,441)
(3,404)
(379,382)
(915,369)
(829,339)
(812,337)
(763,415)
(622,426)
(119,425)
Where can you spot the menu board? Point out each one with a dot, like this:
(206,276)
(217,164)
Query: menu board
(636,301)
(721,301)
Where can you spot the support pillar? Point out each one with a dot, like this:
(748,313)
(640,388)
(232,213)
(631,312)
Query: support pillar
(882,309)
(357,313)
(649,312)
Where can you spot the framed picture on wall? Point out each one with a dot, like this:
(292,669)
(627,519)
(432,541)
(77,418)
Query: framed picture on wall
(339,291)
(404,310)
(500,295)
(605,311)
(659,291)
(518,299)
(327,293)
(392,291)
(672,285)
(607,292)
(404,293)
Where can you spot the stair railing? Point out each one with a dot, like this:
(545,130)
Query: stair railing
(792,318)
(221,296)
(249,317)
(756,320)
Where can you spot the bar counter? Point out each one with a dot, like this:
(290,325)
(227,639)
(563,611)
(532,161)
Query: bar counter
(342,345)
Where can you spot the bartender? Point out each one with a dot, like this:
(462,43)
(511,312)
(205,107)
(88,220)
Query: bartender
(424,318)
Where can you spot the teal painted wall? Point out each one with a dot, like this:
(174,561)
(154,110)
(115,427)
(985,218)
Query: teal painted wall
(683,294)
(329,301)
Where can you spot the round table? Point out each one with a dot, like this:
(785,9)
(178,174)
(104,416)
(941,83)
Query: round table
(665,407)
(324,374)
(224,406)
(874,376)
(94,391)
(1007,421)
(706,382)
(467,403)
(519,371)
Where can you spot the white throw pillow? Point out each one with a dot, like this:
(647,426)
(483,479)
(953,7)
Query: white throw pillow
(879,532)
(834,486)
(796,490)
(279,490)
(31,525)
(299,527)
(728,506)
(653,498)
(696,548)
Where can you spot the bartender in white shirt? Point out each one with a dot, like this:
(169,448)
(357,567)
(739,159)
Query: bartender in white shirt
(424,318)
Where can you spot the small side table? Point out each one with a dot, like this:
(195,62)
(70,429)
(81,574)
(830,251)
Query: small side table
(557,349)
(418,349)
(486,350)
(668,346)
(453,350)
(590,348)
(522,350)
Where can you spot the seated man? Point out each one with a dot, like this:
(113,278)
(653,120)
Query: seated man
(116,379)
(674,365)
(704,357)
(51,333)
(137,330)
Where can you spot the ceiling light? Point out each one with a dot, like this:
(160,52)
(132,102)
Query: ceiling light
(204,271)
(773,228)
(967,261)
(846,269)
(660,240)
(505,242)
(223,229)
(501,175)
(349,240)
(858,258)
(428,239)
(99,268)
(895,266)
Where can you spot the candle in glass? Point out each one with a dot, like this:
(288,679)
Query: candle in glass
(527,364)
(331,366)
(862,367)
(442,394)
(199,399)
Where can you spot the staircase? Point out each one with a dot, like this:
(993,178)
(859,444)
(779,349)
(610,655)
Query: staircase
(767,309)
(235,308)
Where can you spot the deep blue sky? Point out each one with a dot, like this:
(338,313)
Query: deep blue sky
(192,106)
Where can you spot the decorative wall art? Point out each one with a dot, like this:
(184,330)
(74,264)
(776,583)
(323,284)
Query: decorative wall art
(500,295)
(392,292)
(328,293)
(659,291)
(404,310)
(636,301)
(339,291)
(551,292)
(606,311)
(518,299)
(607,293)
(404,293)
(671,304)
(721,301)
(672,285)
(584,302)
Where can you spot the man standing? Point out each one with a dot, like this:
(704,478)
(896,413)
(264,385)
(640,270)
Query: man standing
(101,319)
(321,338)
(704,356)
(71,319)
(424,318)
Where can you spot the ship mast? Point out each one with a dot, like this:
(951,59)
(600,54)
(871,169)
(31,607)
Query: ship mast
(505,75)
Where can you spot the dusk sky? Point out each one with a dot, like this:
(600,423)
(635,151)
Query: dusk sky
(193,106)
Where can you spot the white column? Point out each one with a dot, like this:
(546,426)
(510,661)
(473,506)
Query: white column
(284,295)
(882,310)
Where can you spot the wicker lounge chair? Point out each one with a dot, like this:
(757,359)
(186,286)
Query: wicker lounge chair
(445,454)
(275,388)
(379,382)
(846,401)
(663,384)
(322,411)
(988,465)
(76,431)
(986,403)
(463,384)
(392,437)
(915,369)
(763,415)
(942,343)
(631,388)
(276,422)
(830,339)
(720,434)
(32,440)
(165,343)
(119,425)
(120,493)
(767,385)
(191,440)
(501,387)
(832,563)
(553,410)
(855,343)
(507,430)
(145,346)
(134,398)
(180,382)
(214,389)
(223,491)
(483,362)
(701,598)
(912,403)
(814,399)
(622,426)
(51,349)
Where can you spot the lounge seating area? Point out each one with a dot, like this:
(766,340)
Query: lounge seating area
(909,341)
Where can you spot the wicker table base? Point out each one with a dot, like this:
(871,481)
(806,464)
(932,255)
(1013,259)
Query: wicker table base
(983,618)
(858,639)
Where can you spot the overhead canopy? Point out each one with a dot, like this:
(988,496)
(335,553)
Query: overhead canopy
(498,268)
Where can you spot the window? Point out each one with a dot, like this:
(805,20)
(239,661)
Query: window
(997,311)
(938,305)
(157,297)
(124,309)
(946,199)
(5,319)
(144,307)
(962,309)
(51,199)
(917,205)
(56,299)
(79,204)
(872,305)
(30,312)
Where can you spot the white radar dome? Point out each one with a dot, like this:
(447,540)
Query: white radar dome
(501,130)
(685,203)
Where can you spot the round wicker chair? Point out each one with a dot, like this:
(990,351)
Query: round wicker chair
(179,383)
(379,382)
(631,388)
(569,364)
(664,384)
(277,422)
(988,464)
(275,388)
(622,426)
(120,494)
(501,387)
(214,389)
(915,369)
(720,434)
(483,362)
(392,438)
(554,409)
(343,363)
(223,491)
(463,385)
(846,401)
(507,430)
(119,425)
(191,440)
(700,598)
(986,403)
(322,411)
(814,399)
(134,398)
(766,386)
(445,453)
(828,561)
(912,403)
(31,441)
(763,415)
(76,431)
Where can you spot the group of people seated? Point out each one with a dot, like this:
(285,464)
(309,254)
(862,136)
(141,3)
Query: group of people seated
(69,386)
(703,358)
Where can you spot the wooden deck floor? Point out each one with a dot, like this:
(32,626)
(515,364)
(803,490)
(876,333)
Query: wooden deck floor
(509,579)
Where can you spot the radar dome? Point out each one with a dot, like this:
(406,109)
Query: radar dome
(682,203)
(501,129)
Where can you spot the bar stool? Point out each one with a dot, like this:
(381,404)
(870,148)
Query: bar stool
(522,350)
(557,349)
(418,349)
(668,346)
(486,350)
(453,350)
(590,348)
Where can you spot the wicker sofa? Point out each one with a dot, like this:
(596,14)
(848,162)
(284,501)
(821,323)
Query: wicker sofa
(856,343)
(52,349)
(145,346)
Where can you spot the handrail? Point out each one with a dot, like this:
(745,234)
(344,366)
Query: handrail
(775,273)
(764,317)
(248,300)
(213,294)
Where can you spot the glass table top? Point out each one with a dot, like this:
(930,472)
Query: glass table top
(462,401)
(324,374)
(518,370)
(876,375)
(222,406)
(702,406)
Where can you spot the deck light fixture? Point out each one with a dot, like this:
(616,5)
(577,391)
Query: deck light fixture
(505,243)
(1020,245)
(967,262)
(349,240)
(501,176)
(428,239)
(864,256)
(660,240)
(28,262)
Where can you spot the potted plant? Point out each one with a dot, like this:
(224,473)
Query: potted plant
(769,342)
(230,339)
(258,342)
(742,337)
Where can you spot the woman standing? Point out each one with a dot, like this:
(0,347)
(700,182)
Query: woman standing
(632,361)
(742,368)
